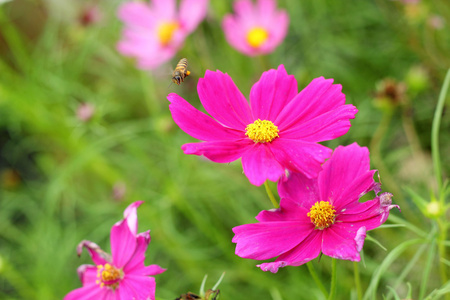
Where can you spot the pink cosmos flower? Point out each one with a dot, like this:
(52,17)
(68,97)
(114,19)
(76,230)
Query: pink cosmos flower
(255,29)
(318,215)
(278,131)
(123,274)
(155,31)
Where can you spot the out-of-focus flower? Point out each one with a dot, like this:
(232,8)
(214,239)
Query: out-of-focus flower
(318,215)
(255,28)
(155,31)
(389,94)
(279,130)
(436,22)
(85,111)
(90,15)
(121,275)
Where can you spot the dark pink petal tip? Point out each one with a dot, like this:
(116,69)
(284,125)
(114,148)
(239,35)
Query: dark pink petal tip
(273,266)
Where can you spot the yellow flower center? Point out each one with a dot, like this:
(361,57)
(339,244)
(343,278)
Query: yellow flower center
(262,131)
(257,36)
(322,214)
(109,276)
(166,31)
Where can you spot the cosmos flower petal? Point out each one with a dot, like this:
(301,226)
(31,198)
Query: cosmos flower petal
(307,250)
(272,93)
(130,214)
(223,101)
(192,12)
(319,97)
(301,190)
(267,240)
(152,270)
(165,9)
(219,151)
(197,124)
(299,156)
(136,262)
(327,126)
(99,257)
(136,13)
(87,274)
(123,243)
(369,214)
(88,292)
(360,238)
(259,164)
(340,243)
(137,287)
(289,211)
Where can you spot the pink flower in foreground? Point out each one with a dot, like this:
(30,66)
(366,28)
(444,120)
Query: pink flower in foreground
(155,31)
(255,29)
(279,130)
(318,215)
(121,275)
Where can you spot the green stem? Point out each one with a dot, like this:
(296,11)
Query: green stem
(316,279)
(333,279)
(357,280)
(270,194)
(442,252)
(435,132)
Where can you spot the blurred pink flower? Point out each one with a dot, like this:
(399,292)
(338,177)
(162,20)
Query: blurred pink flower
(279,130)
(318,215)
(90,15)
(155,31)
(255,29)
(123,274)
(85,111)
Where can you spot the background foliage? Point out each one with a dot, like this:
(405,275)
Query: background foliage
(64,180)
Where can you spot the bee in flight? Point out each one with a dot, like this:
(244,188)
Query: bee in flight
(180,71)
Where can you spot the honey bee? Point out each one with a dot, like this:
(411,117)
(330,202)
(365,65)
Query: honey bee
(180,71)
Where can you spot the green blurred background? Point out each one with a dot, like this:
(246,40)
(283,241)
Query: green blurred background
(63,179)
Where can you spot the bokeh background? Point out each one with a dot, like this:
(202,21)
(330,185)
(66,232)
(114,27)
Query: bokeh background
(65,177)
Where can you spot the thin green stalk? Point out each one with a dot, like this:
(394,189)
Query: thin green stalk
(270,194)
(357,280)
(333,279)
(316,279)
(426,271)
(435,131)
(443,252)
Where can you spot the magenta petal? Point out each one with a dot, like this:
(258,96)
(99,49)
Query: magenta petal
(299,156)
(340,243)
(259,164)
(289,210)
(360,237)
(152,270)
(87,274)
(327,126)
(130,214)
(99,257)
(345,167)
(136,262)
(299,189)
(268,240)
(219,151)
(271,93)
(137,287)
(197,124)
(319,97)
(136,14)
(302,253)
(89,292)
(223,100)
(123,243)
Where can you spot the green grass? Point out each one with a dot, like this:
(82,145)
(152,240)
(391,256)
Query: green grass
(49,64)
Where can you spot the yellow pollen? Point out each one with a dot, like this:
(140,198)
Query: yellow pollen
(257,36)
(166,31)
(262,131)
(322,214)
(108,276)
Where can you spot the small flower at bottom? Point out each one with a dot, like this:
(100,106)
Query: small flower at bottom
(318,215)
(278,131)
(122,274)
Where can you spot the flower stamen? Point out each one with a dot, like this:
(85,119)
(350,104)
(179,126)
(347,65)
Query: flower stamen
(257,36)
(322,214)
(262,131)
(109,276)
(165,32)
